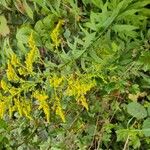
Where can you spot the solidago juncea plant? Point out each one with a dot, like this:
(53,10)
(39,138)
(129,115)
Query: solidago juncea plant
(23,88)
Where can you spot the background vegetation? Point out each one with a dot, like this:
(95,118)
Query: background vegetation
(74,74)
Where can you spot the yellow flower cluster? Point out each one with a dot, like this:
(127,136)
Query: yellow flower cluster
(55,34)
(78,88)
(11,74)
(42,97)
(55,81)
(23,107)
(2,109)
(59,110)
(4,85)
(31,56)
(14,60)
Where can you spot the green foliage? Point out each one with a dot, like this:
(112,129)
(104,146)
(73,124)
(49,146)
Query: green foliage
(137,110)
(74,74)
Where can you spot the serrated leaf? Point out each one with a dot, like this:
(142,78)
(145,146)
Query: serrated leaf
(146,127)
(136,110)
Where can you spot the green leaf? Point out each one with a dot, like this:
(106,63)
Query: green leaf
(145,60)
(23,34)
(4,29)
(98,3)
(28,10)
(3,124)
(146,127)
(136,110)
(148,110)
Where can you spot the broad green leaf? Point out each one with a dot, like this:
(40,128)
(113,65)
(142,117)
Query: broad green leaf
(4,29)
(146,127)
(136,110)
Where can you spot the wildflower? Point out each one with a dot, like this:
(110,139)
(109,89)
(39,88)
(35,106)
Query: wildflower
(32,55)
(11,74)
(55,34)
(83,101)
(11,109)
(56,81)
(27,109)
(13,90)
(4,85)
(59,110)
(42,97)
(19,106)
(14,60)
(2,109)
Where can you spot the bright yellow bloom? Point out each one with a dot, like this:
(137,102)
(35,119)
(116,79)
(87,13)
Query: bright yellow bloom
(42,97)
(32,55)
(2,109)
(27,109)
(4,85)
(55,34)
(11,109)
(11,74)
(56,81)
(14,60)
(19,107)
(78,88)
(13,91)
(59,110)
(83,101)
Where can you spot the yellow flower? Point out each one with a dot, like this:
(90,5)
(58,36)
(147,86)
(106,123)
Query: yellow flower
(83,101)
(59,110)
(11,109)
(32,55)
(56,81)
(55,34)
(14,60)
(2,109)
(19,106)
(4,85)
(11,74)
(42,97)
(78,87)
(27,109)
(13,91)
